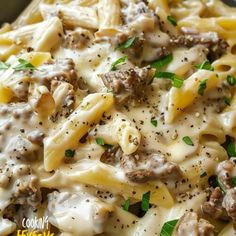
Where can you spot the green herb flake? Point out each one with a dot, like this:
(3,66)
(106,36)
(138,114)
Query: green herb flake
(100,141)
(234,181)
(206,65)
(227,101)
(162,62)
(164,74)
(231,80)
(24,65)
(231,150)
(168,228)
(154,122)
(176,81)
(128,43)
(145,201)
(202,87)
(4,65)
(118,62)
(109,91)
(221,185)
(172,20)
(188,140)
(126,205)
(203,174)
(69,153)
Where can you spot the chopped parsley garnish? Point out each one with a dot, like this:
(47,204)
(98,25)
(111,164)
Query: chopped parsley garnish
(176,81)
(206,65)
(221,185)
(145,201)
(128,43)
(100,141)
(168,228)
(24,65)
(231,150)
(188,140)
(118,62)
(172,20)
(162,62)
(214,182)
(203,174)
(126,205)
(227,101)
(69,153)
(202,87)
(231,80)
(154,122)
(234,181)
(4,65)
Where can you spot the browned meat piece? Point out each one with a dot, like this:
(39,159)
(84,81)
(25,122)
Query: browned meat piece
(77,39)
(23,183)
(214,207)
(144,166)
(60,70)
(225,171)
(205,228)
(21,90)
(128,83)
(27,192)
(216,46)
(112,156)
(189,224)
(229,203)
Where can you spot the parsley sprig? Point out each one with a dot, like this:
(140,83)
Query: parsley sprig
(118,62)
(202,87)
(206,65)
(145,201)
(188,140)
(172,20)
(231,80)
(176,81)
(128,43)
(168,228)
(24,65)
(231,149)
(126,205)
(154,122)
(162,62)
(100,141)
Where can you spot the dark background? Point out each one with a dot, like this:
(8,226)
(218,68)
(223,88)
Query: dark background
(10,9)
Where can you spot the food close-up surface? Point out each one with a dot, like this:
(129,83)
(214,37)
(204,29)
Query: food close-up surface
(118,118)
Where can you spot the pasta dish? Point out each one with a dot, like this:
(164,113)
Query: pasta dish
(118,118)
